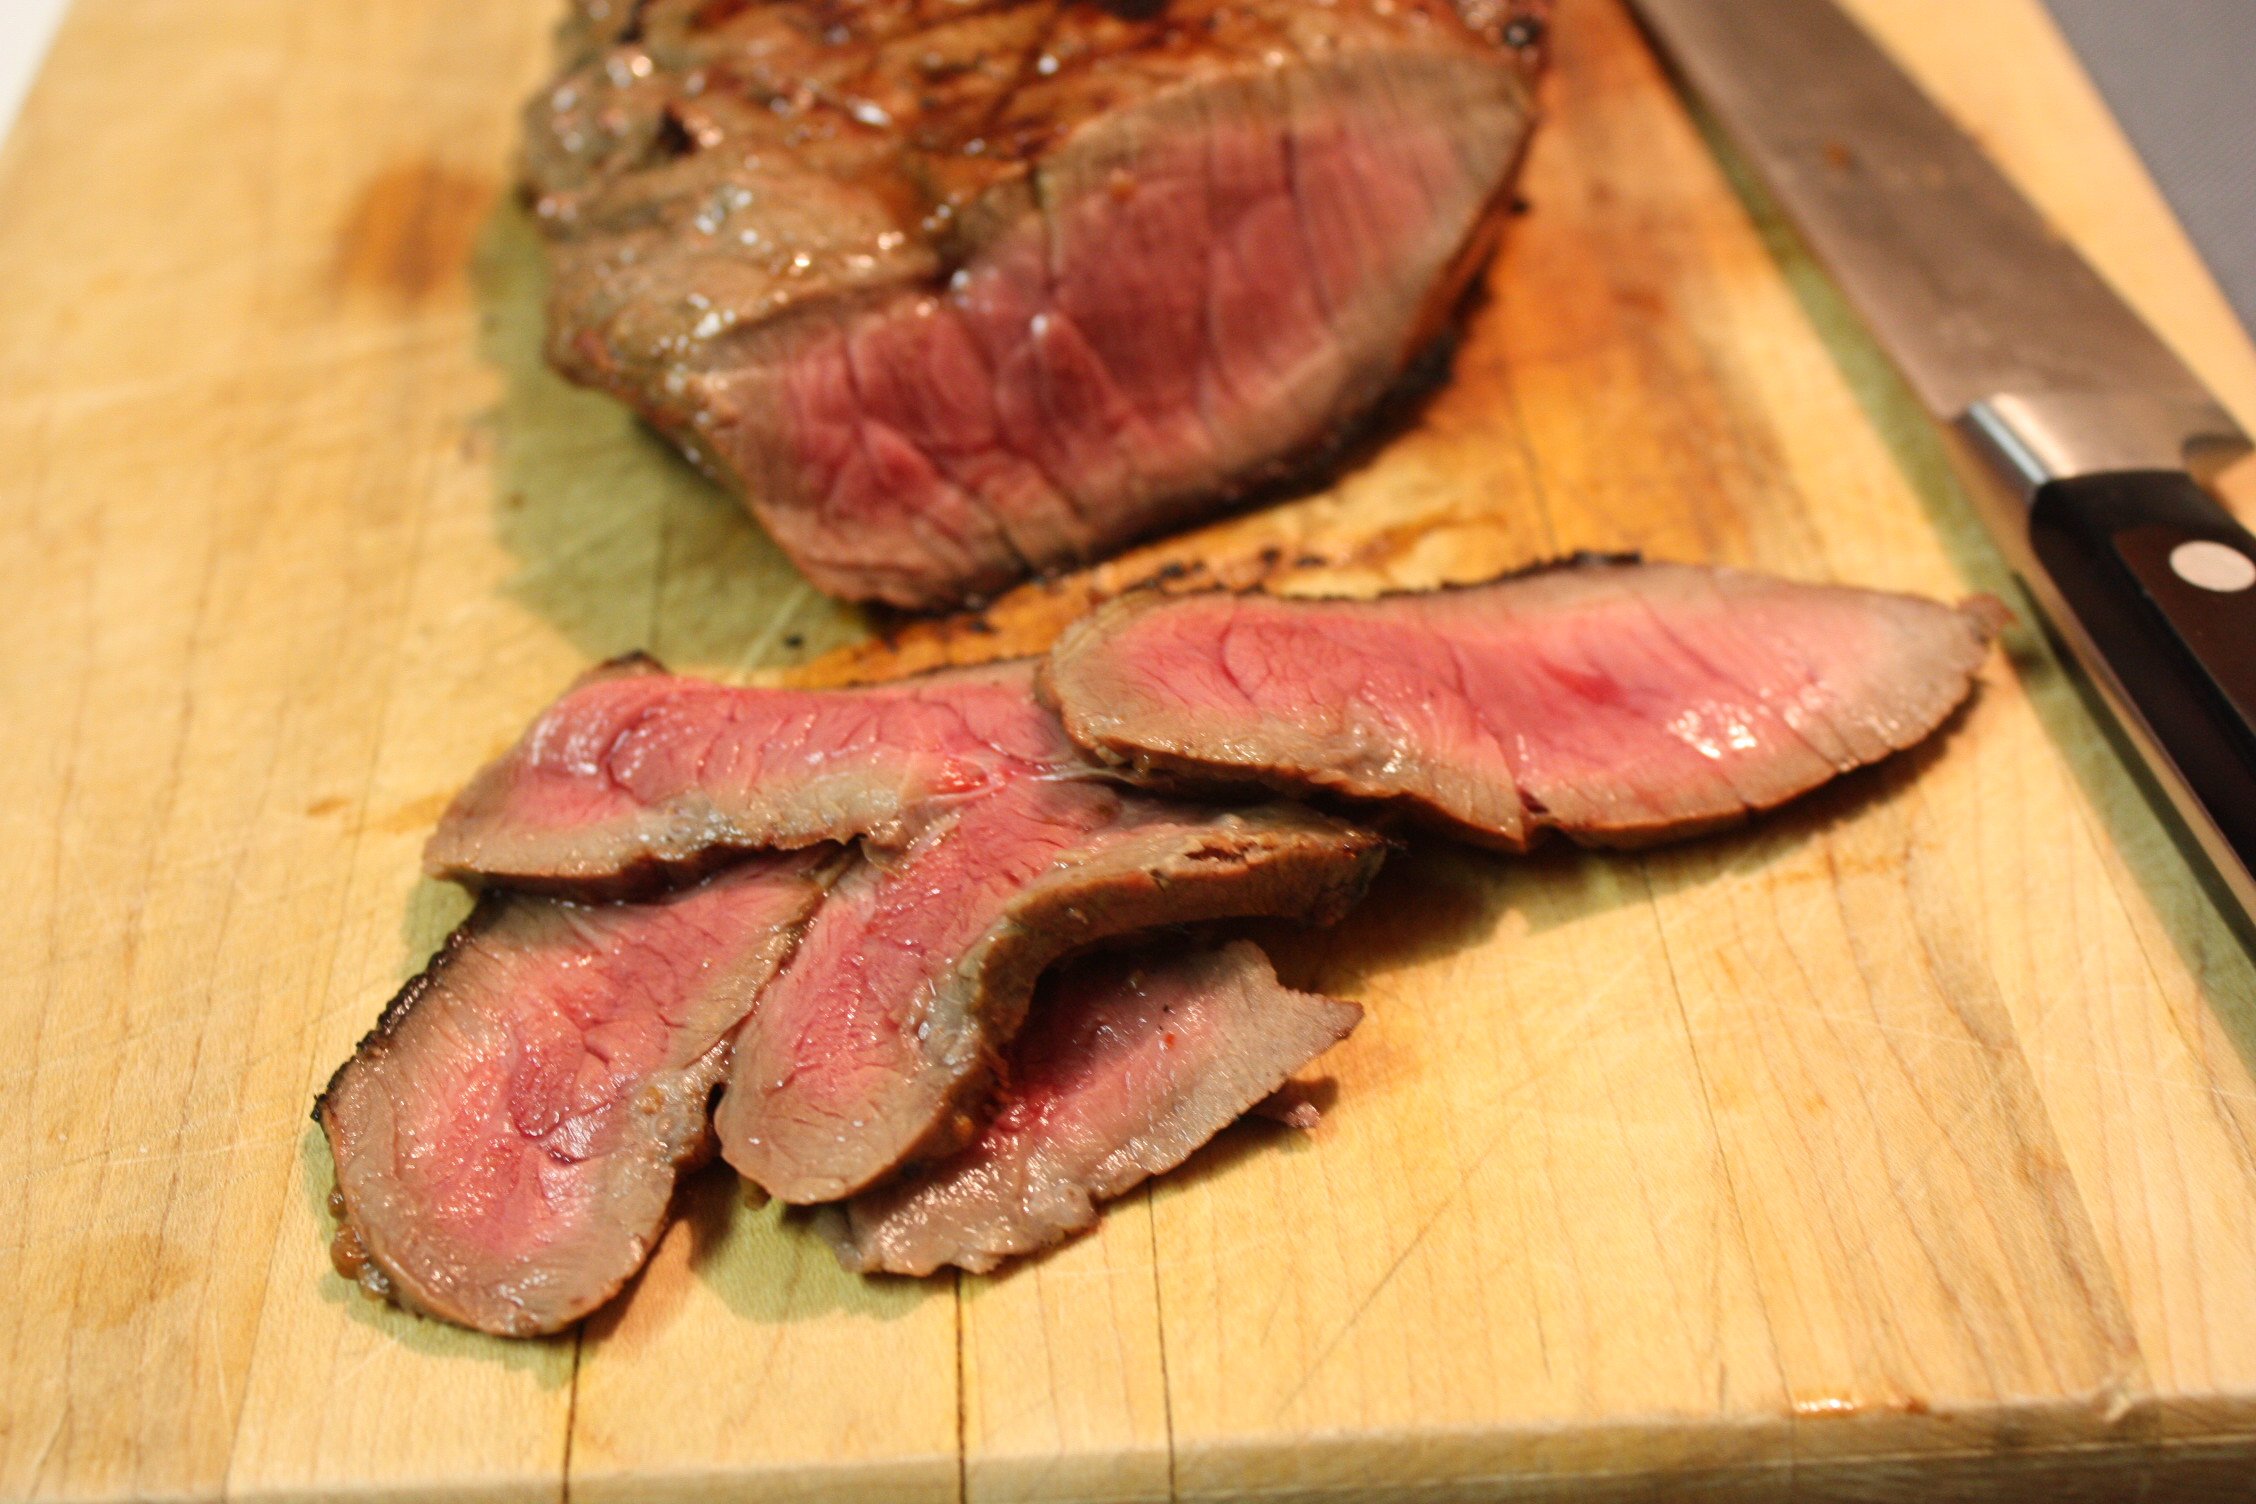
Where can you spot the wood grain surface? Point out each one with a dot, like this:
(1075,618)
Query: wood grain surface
(1901,1147)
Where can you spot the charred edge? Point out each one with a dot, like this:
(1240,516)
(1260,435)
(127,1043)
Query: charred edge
(941,670)
(1519,27)
(644,879)
(1025,73)
(973,623)
(1171,572)
(673,139)
(625,665)
(482,917)
(1581,558)
(1527,31)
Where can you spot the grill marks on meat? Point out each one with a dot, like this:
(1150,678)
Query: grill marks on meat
(635,771)
(1127,1066)
(507,1140)
(1619,703)
(951,294)
(875,1043)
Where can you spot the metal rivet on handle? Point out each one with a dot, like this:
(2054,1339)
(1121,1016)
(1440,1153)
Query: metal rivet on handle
(2213,566)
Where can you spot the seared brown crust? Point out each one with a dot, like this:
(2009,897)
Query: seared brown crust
(727,180)
(482,915)
(925,106)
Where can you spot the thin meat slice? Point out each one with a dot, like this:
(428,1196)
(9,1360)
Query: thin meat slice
(876,1043)
(506,1141)
(635,771)
(1620,703)
(1127,1066)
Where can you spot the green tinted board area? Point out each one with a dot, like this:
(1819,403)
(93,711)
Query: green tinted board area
(620,542)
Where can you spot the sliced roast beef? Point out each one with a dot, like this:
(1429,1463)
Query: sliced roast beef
(876,1043)
(953,292)
(1126,1067)
(1620,703)
(636,770)
(507,1140)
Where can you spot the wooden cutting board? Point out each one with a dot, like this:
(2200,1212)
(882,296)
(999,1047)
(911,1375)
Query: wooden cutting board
(1903,1146)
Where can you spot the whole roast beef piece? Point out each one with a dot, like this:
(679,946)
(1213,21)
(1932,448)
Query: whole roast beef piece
(1620,703)
(951,293)
(637,773)
(877,1043)
(506,1141)
(1127,1066)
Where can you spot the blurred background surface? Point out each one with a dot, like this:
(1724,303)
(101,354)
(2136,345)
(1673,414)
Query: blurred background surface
(2174,71)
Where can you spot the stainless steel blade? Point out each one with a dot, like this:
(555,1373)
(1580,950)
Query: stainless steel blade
(2030,361)
(1999,326)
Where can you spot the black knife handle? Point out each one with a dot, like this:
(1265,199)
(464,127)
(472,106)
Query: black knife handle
(2162,581)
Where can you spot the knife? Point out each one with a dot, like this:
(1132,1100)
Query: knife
(2078,431)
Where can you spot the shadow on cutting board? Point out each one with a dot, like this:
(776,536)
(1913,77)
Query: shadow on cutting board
(623,546)
(2181,891)
(765,1263)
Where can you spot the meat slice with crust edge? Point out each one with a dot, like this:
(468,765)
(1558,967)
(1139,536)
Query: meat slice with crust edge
(876,1045)
(1616,702)
(635,776)
(507,1139)
(1129,1063)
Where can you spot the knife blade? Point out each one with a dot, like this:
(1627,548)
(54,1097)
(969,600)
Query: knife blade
(2079,431)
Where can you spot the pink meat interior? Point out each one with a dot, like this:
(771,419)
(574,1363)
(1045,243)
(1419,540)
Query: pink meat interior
(1600,700)
(837,1054)
(656,764)
(508,1140)
(1175,321)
